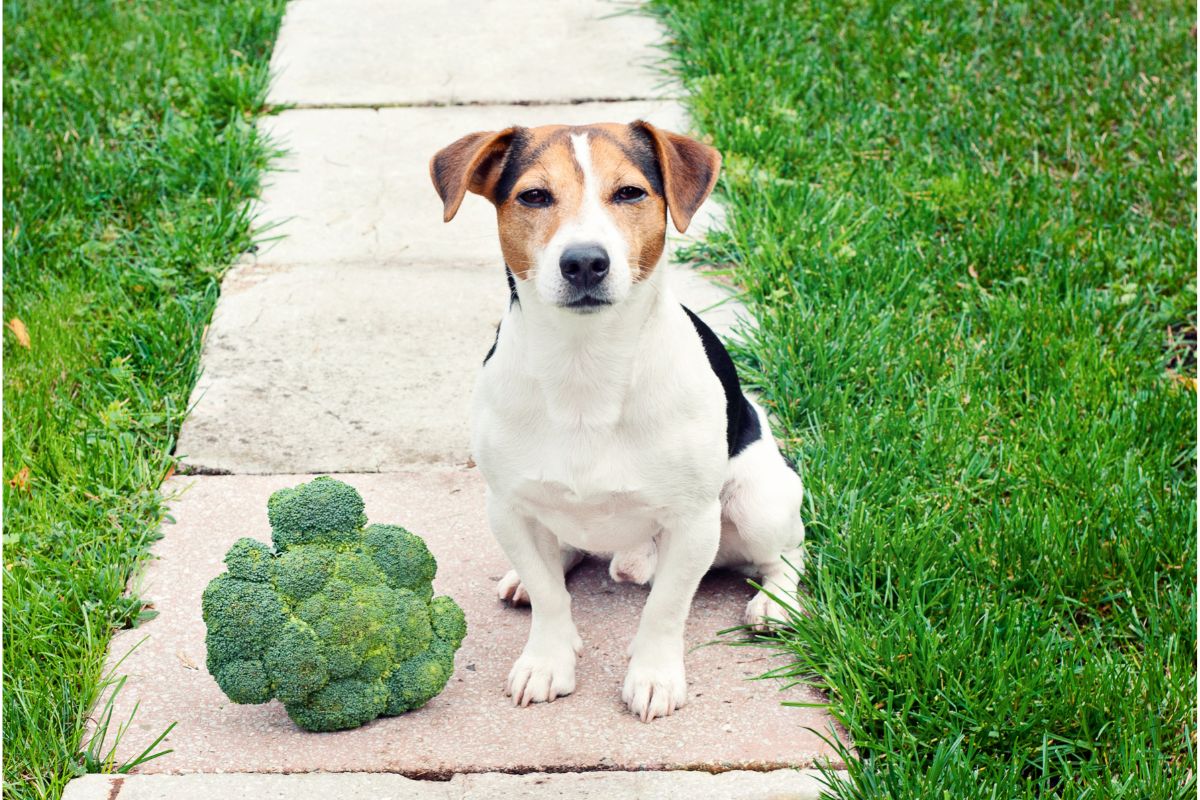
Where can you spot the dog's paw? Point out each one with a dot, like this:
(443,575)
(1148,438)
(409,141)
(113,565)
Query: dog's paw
(655,686)
(762,612)
(541,676)
(634,566)
(511,589)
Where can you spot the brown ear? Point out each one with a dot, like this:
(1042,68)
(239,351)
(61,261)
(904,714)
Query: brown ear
(689,171)
(472,163)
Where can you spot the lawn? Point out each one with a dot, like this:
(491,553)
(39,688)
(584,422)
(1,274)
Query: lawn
(967,233)
(129,150)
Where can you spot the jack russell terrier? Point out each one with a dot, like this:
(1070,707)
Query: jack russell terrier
(607,417)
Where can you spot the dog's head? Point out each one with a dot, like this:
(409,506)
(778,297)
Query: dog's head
(582,210)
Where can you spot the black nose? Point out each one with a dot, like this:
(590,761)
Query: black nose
(584,265)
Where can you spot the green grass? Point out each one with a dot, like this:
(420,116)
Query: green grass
(967,232)
(129,150)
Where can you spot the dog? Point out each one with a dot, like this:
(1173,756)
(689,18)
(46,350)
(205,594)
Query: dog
(608,418)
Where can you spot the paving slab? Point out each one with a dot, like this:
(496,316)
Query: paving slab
(781,784)
(731,721)
(351,367)
(356,367)
(734,785)
(354,184)
(383,52)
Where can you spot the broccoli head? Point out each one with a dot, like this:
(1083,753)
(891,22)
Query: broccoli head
(337,621)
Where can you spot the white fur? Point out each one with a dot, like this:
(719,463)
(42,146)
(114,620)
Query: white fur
(605,433)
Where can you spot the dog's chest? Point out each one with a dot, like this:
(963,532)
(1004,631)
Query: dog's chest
(605,444)
(598,490)
(598,521)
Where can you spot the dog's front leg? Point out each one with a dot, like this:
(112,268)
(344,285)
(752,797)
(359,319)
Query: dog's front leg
(546,668)
(655,684)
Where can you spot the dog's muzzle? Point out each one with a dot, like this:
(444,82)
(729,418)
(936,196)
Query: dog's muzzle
(584,267)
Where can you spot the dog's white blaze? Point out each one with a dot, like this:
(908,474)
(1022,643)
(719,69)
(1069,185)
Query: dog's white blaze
(592,225)
(590,210)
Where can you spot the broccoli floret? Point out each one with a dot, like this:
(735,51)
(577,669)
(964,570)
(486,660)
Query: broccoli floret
(249,560)
(244,681)
(242,617)
(342,704)
(411,684)
(297,661)
(303,570)
(323,510)
(449,622)
(402,556)
(338,621)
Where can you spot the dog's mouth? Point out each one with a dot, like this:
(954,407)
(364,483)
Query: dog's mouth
(587,303)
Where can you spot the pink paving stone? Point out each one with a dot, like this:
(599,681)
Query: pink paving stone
(730,721)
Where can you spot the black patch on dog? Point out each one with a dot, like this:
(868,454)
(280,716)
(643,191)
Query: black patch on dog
(516,161)
(741,422)
(492,350)
(643,154)
(512,287)
(640,152)
(512,298)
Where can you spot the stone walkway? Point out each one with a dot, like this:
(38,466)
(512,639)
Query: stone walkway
(349,345)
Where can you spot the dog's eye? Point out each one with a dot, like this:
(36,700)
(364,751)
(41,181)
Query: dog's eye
(535,198)
(629,194)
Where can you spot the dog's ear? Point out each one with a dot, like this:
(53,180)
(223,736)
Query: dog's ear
(472,163)
(689,171)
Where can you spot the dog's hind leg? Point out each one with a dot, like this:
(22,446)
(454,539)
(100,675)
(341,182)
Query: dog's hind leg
(511,588)
(763,532)
(765,537)
(636,565)
(780,583)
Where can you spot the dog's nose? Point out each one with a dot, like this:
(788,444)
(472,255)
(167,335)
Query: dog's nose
(584,265)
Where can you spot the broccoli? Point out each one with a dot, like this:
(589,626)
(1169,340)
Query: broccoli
(337,620)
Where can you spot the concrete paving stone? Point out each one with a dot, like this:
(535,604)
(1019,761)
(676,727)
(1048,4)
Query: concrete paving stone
(443,52)
(346,367)
(730,722)
(356,367)
(354,184)
(314,786)
(780,784)
(734,785)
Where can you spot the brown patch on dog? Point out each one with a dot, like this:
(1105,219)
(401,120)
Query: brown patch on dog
(644,223)
(545,162)
(689,170)
(675,172)
(471,163)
